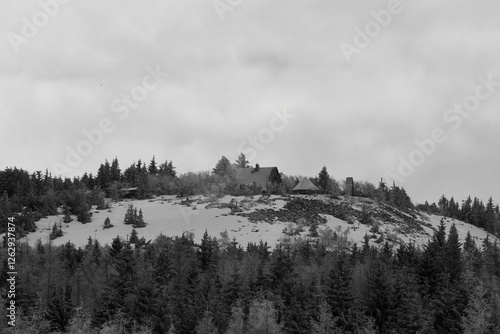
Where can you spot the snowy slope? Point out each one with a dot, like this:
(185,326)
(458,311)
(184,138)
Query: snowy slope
(172,219)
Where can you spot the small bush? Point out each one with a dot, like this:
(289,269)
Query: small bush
(107,223)
(56,232)
(375,228)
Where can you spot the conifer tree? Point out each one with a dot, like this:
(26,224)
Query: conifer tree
(139,220)
(142,180)
(478,314)
(262,318)
(365,249)
(223,168)
(406,315)
(116,247)
(58,311)
(237,322)
(242,161)
(207,252)
(107,223)
(324,181)
(465,211)
(339,295)
(67,218)
(152,168)
(325,323)
(206,325)
(453,254)
(380,293)
(56,232)
(129,215)
(115,172)
(469,244)
(134,239)
(490,217)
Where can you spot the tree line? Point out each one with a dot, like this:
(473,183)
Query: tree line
(39,194)
(470,211)
(176,285)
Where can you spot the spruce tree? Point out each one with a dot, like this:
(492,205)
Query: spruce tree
(453,254)
(129,215)
(67,218)
(107,223)
(152,168)
(134,239)
(469,244)
(324,181)
(142,179)
(139,220)
(242,161)
(478,314)
(465,211)
(325,323)
(380,294)
(490,217)
(406,304)
(206,325)
(339,295)
(223,168)
(237,321)
(262,318)
(115,170)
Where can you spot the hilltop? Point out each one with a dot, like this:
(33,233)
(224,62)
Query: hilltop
(343,220)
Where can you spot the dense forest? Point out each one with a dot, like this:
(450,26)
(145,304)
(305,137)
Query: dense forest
(39,194)
(215,285)
(175,285)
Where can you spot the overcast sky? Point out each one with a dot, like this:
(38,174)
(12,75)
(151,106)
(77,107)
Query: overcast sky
(311,82)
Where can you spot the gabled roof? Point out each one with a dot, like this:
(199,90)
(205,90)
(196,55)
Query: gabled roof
(305,184)
(249,175)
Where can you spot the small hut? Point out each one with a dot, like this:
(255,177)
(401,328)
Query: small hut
(305,186)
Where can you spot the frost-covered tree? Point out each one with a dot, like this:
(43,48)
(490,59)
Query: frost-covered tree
(325,323)
(262,318)
(206,325)
(478,313)
(237,322)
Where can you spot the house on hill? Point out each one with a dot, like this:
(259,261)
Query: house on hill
(305,186)
(129,192)
(262,176)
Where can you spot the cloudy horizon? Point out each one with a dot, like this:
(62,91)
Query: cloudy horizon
(404,90)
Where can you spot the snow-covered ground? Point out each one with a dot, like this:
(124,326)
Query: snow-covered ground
(172,219)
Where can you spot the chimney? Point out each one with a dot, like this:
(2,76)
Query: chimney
(349,186)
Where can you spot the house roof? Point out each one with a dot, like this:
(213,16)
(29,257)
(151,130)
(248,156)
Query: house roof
(305,184)
(249,175)
(129,189)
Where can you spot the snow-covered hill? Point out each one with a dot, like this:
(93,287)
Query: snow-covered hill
(251,219)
